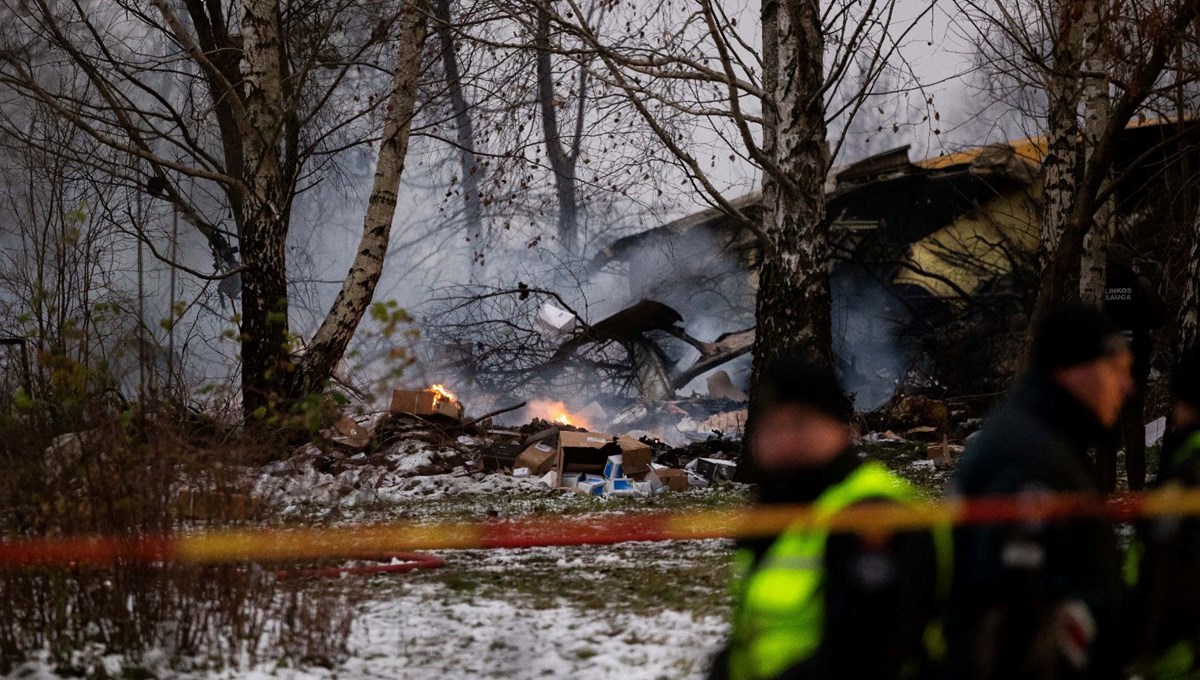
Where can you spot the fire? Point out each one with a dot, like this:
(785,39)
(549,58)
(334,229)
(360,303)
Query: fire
(555,412)
(440,392)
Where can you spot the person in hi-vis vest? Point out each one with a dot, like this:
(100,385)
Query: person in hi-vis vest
(1162,565)
(811,603)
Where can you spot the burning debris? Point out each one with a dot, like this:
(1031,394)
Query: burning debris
(434,401)
(426,432)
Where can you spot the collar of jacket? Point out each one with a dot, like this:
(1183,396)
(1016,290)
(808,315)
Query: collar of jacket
(1058,409)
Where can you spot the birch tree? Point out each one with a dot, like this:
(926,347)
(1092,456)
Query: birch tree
(767,108)
(267,84)
(1105,63)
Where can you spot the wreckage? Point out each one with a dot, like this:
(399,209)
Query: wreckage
(933,268)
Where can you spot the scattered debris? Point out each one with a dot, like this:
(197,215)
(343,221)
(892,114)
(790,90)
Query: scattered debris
(350,433)
(1155,430)
(555,320)
(721,386)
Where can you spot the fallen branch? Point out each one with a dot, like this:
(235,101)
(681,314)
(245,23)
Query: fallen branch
(492,414)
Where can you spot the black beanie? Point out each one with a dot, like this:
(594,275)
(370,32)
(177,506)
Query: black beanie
(795,380)
(1185,381)
(1073,335)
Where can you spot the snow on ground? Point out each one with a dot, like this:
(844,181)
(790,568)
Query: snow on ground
(420,633)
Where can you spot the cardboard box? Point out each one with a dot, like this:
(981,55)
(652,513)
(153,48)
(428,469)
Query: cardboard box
(675,480)
(425,403)
(588,452)
(539,458)
(349,432)
(652,482)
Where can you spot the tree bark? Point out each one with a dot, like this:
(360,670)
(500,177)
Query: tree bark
(358,288)
(1097,108)
(1062,162)
(1189,303)
(562,163)
(792,305)
(1064,259)
(266,200)
(464,126)
(792,312)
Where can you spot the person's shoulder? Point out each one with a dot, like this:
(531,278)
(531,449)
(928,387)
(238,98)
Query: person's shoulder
(1004,452)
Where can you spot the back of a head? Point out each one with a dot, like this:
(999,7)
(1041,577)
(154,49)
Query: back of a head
(1073,335)
(797,380)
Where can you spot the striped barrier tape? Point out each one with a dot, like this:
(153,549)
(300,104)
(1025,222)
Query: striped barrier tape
(285,544)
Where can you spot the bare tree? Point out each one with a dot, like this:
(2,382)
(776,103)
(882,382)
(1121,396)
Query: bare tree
(1113,61)
(59,269)
(265,112)
(461,114)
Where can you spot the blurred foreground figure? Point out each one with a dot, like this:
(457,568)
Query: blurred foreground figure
(811,604)
(1163,564)
(1041,599)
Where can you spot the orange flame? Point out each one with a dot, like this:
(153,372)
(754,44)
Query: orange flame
(440,392)
(555,412)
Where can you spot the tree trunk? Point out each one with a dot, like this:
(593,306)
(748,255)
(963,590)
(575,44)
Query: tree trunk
(1097,109)
(562,164)
(266,364)
(792,306)
(1064,259)
(464,126)
(336,331)
(1189,303)
(1062,162)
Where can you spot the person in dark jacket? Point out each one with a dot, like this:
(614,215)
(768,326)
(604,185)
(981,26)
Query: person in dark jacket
(1133,302)
(1163,564)
(1041,599)
(809,603)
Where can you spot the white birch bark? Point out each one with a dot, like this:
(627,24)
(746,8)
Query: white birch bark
(331,339)
(1097,109)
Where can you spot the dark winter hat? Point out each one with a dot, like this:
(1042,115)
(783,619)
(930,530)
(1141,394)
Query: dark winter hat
(1185,382)
(797,380)
(1075,334)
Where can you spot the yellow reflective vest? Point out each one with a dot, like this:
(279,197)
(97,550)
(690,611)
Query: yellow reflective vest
(1179,660)
(779,606)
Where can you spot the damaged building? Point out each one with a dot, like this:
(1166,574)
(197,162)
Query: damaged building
(933,261)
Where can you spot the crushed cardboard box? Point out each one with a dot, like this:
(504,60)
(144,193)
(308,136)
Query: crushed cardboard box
(669,478)
(349,432)
(539,458)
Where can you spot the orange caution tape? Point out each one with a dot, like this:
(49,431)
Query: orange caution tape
(282,544)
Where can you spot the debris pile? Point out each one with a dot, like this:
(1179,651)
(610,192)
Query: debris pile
(426,434)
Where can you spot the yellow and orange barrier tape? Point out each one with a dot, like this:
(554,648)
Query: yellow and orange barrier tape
(283,544)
